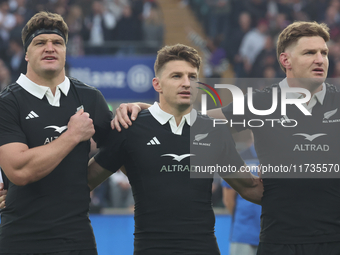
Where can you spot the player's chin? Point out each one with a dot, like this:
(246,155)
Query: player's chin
(52,70)
(186,102)
(318,79)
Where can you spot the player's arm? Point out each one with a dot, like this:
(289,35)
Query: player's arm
(216,113)
(249,186)
(122,117)
(229,197)
(23,165)
(97,174)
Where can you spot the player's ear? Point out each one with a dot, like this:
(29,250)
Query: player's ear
(26,57)
(285,60)
(156,85)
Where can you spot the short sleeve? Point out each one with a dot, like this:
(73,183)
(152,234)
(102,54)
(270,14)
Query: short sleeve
(10,129)
(113,154)
(102,118)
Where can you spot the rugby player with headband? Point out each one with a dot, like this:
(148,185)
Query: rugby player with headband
(46,122)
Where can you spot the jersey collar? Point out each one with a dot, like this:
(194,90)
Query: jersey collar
(40,91)
(163,117)
(319,96)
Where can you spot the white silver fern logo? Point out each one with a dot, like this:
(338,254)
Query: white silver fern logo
(310,137)
(178,157)
(58,129)
(329,114)
(200,137)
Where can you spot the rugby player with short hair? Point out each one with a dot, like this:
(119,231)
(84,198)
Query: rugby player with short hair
(46,122)
(173,211)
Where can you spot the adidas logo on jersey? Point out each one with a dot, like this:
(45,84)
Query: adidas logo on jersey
(153,141)
(32,115)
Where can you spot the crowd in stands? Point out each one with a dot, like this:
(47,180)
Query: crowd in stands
(247,30)
(120,27)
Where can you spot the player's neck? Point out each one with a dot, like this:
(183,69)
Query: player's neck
(178,112)
(311,84)
(51,81)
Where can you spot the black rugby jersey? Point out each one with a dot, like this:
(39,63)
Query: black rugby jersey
(173,212)
(301,205)
(49,215)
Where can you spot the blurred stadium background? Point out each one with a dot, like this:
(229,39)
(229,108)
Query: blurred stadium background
(113,44)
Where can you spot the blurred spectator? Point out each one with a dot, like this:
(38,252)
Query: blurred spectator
(332,19)
(5,76)
(116,7)
(100,197)
(98,29)
(60,8)
(269,72)
(75,24)
(16,58)
(137,7)
(253,42)
(120,191)
(266,58)
(153,29)
(219,18)
(237,34)
(214,56)
(217,63)
(256,8)
(7,22)
(129,28)
(19,25)
(279,22)
(316,9)
(21,8)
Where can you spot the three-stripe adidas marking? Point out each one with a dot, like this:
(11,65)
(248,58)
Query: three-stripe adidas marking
(32,115)
(153,141)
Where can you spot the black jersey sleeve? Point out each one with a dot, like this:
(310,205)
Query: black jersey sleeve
(10,130)
(101,120)
(113,154)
